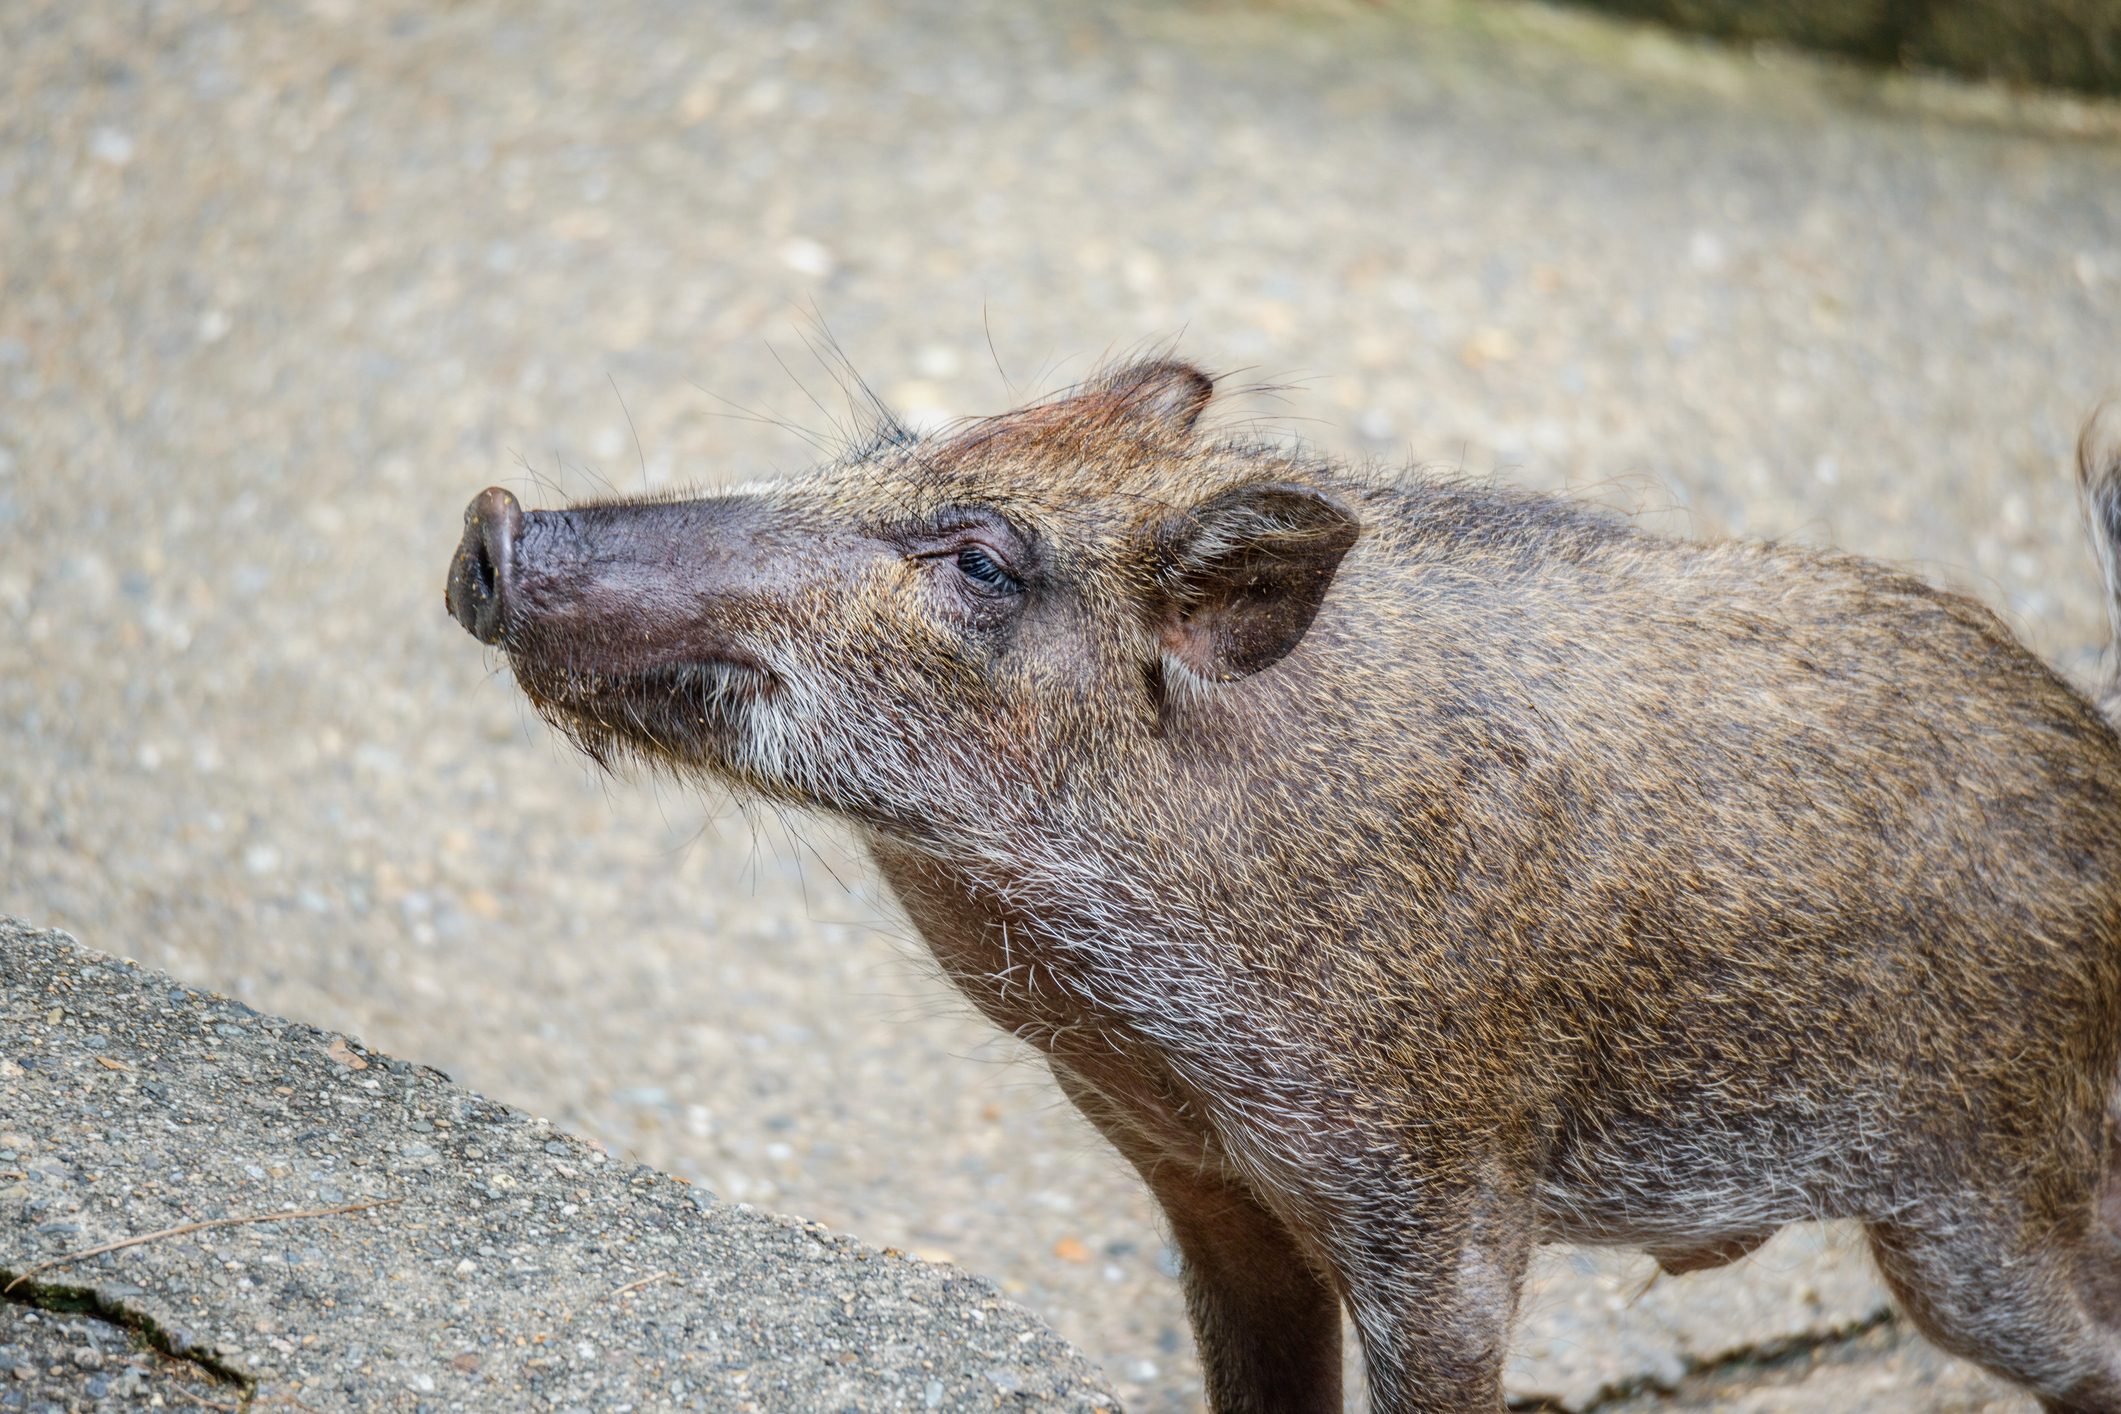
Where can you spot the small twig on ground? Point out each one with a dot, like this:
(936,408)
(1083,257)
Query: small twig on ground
(263,1401)
(637,1285)
(182,1228)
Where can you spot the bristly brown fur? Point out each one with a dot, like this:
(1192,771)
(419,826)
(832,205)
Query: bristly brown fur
(1402,873)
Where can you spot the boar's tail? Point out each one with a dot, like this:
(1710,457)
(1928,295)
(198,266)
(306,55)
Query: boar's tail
(2099,488)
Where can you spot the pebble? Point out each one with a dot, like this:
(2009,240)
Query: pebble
(807,257)
(112,147)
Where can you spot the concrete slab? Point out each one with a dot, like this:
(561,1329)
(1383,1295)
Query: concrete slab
(1884,1370)
(52,1361)
(1600,1322)
(506,1265)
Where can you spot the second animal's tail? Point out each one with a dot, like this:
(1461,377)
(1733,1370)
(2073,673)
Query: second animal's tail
(2099,488)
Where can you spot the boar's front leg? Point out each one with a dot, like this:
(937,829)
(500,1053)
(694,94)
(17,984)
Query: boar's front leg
(1265,1314)
(1432,1272)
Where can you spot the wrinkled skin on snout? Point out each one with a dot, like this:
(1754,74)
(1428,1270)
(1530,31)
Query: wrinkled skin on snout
(1401,873)
(800,654)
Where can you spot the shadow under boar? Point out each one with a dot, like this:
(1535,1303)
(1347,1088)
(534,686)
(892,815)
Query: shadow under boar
(1401,872)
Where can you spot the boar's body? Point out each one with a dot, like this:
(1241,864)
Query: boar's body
(1401,873)
(1690,872)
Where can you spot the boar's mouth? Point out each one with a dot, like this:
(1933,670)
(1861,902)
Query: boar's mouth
(679,711)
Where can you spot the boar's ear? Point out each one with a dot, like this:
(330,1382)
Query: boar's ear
(1164,396)
(1244,572)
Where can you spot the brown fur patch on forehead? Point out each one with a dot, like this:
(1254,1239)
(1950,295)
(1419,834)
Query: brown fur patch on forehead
(1121,432)
(1089,473)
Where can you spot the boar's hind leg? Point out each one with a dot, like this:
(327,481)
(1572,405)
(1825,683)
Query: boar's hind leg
(1983,1289)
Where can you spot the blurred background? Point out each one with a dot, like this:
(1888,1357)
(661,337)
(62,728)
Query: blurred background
(282,284)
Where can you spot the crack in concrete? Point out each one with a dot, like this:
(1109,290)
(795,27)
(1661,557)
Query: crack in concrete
(1696,1378)
(61,1298)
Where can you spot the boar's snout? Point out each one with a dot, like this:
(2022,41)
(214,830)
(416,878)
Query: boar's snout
(484,565)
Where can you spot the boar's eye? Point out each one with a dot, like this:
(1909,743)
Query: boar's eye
(978,566)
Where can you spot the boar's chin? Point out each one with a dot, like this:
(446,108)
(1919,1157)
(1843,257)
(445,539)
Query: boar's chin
(687,716)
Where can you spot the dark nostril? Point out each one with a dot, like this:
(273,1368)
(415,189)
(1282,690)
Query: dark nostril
(498,520)
(478,585)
